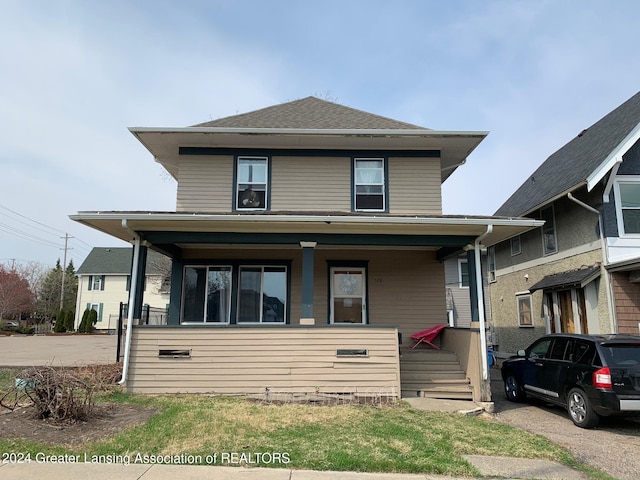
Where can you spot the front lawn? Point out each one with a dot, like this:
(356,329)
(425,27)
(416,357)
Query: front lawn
(230,431)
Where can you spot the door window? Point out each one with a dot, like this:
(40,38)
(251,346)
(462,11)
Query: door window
(348,291)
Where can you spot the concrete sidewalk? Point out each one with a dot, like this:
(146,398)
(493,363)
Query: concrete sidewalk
(489,467)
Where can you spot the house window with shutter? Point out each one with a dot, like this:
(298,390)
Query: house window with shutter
(96,282)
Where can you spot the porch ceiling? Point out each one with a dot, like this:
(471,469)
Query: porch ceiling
(291,228)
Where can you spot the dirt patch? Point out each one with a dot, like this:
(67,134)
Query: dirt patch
(107,420)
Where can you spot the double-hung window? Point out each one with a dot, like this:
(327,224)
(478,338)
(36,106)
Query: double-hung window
(628,202)
(549,241)
(525,317)
(369,184)
(252,183)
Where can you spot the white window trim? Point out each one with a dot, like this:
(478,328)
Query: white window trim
(618,202)
(513,254)
(383,184)
(491,272)
(555,231)
(460,262)
(266,183)
(524,296)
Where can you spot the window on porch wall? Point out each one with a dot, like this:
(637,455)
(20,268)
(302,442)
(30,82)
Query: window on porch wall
(207,294)
(263,295)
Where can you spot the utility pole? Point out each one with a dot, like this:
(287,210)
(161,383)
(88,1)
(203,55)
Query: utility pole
(64,268)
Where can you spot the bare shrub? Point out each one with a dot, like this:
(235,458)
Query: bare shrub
(61,394)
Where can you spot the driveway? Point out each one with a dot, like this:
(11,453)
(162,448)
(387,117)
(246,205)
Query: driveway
(611,447)
(56,350)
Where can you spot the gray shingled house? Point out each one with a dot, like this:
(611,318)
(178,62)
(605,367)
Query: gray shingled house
(580,272)
(307,245)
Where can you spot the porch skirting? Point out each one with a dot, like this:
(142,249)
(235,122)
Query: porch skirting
(336,359)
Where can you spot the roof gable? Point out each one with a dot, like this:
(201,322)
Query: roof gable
(309,113)
(574,164)
(117,261)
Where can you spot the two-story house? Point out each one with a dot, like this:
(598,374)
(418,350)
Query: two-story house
(580,272)
(306,246)
(104,281)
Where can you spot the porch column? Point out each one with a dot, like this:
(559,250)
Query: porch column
(175,298)
(473,285)
(140,273)
(308,250)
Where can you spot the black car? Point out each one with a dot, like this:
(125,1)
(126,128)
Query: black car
(590,375)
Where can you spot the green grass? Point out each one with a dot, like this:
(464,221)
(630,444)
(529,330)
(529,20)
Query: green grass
(342,438)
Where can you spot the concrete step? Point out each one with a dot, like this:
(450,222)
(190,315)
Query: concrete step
(429,366)
(433,375)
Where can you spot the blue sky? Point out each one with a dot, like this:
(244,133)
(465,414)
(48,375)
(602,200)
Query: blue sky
(75,74)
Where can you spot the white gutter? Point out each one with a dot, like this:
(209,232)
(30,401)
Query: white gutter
(132,292)
(479,294)
(243,217)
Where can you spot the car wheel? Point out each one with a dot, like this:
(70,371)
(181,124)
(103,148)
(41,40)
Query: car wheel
(512,389)
(580,410)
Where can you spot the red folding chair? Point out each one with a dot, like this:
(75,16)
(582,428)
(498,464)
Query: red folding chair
(427,336)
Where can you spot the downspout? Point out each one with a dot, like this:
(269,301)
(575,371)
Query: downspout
(479,294)
(132,289)
(605,258)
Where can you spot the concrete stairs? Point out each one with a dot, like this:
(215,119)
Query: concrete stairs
(433,374)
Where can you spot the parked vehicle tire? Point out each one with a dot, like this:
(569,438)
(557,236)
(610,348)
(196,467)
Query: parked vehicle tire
(580,409)
(512,389)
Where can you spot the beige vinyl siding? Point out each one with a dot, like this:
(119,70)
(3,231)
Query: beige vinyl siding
(414,186)
(205,184)
(236,360)
(312,183)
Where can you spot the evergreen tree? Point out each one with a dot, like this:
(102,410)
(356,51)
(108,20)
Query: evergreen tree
(69,318)
(59,326)
(82,328)
(93,319)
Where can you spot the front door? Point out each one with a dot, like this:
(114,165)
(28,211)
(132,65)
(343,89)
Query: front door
(348,295)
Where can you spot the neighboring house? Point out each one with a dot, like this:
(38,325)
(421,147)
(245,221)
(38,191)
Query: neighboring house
(580,272)
(457,280)
(104,281)
(306,246)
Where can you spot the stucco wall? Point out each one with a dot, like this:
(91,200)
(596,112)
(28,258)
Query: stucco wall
(509,335)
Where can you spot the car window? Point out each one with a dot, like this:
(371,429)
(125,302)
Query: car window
(558,348)
(539,349)
(583,353)
(621,355)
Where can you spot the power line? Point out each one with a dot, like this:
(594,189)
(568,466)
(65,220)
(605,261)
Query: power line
(26,236)
(31,219)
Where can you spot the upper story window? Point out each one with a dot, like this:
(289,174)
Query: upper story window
(628,206)
(252,183)
(549,240)
(515,246)
(96,282)
(369,184)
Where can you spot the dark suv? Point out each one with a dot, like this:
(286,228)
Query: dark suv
(590,375)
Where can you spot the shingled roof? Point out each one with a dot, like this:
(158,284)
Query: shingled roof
(571,166)
(310,113)
(117,261)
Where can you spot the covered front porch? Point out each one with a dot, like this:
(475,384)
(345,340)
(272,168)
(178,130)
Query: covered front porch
(296,303)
